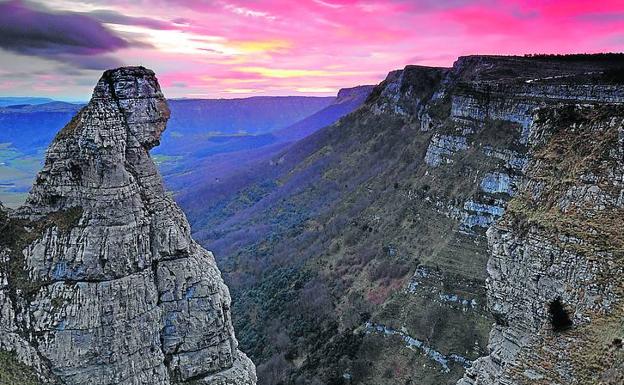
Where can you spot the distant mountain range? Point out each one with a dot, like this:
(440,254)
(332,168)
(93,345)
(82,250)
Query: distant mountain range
(348,100)
(16,100)
(254,115)
(198,130)
(221,164)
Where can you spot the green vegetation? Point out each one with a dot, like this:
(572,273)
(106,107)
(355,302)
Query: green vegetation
(13,372)
(333,243)
(16,234)
(399,367)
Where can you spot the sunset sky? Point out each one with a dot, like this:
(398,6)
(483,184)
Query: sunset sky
(236,48)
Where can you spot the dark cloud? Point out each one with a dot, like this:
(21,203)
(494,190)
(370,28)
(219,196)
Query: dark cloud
(112,17)
(67,37)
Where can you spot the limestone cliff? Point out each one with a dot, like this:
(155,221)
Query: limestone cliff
(555,273)
(100,279)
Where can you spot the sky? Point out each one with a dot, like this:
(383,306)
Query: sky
(240,48)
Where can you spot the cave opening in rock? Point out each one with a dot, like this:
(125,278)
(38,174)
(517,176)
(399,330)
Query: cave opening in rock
(559,317)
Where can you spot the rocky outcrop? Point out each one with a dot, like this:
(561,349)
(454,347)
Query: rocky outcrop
(555,272)
(442,148)
(101,281)
(358,93)
(549,193)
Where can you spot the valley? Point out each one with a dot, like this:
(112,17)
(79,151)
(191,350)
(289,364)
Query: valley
(381,219)
(311,192)
(193,140)
(403,233)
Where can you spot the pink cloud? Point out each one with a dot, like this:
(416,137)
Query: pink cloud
(285,46)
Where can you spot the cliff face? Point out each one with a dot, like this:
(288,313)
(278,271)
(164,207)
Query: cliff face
(364,259)
(555,274)
(101,281)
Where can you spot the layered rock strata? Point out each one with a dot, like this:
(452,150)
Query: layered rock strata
(551,205)
(101,281)
(555,273)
